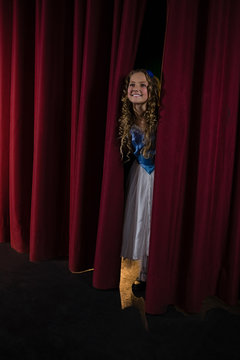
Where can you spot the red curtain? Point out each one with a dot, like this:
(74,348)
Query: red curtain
(61,65)
(5,86)
(113,57)
(52,113)
(195,242)
(107,258)
(56,66)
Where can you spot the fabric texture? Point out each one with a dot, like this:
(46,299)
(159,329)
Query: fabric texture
(59,97)
(137,214)
(195,236)
(61,66)
(107,264)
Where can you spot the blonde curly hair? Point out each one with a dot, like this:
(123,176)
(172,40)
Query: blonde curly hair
(128,117)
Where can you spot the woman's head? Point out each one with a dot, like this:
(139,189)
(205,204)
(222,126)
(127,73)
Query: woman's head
(137,91)
(141,88)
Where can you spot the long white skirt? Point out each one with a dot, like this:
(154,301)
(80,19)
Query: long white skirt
(137,215)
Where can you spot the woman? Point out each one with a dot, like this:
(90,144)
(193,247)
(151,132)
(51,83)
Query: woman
(137,130)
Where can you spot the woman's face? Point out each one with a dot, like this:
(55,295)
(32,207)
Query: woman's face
(138,88)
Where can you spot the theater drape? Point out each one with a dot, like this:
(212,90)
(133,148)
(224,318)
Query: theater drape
(57,64)
(5,85)
(61,178)
(117,55)
(195,243)
(124,47)
(90,88)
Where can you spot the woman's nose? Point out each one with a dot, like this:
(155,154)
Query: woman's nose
(137,88)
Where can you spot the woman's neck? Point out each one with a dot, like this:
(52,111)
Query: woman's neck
(139,109)
(140,121)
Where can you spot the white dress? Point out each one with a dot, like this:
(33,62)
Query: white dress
(138,206)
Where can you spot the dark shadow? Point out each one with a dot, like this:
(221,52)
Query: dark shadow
(150,49)
(48,313)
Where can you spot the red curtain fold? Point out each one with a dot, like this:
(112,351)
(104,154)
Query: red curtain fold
(128,17)
(52,111)
(21,123)
(5,86)
(194,247)
(91,61)
(56,66)
(61,181)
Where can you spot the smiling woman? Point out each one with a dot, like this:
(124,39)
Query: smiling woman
(138,91)
(138,124)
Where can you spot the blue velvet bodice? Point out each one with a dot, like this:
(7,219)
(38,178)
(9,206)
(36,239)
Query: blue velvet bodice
(138,143)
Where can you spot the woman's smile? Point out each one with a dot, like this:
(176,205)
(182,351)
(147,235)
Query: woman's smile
(138,88)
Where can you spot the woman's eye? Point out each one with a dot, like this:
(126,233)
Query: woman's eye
(131,85)
(143,85)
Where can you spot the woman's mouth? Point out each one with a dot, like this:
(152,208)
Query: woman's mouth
(136,95)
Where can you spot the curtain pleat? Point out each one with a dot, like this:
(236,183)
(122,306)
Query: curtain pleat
(128,17)
(56,68)
(52,111)
(194,235)
(21,124)
(5,87)
(88,127)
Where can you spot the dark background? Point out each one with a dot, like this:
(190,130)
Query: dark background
(150,50)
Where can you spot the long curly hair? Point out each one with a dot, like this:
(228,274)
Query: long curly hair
(128,117)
